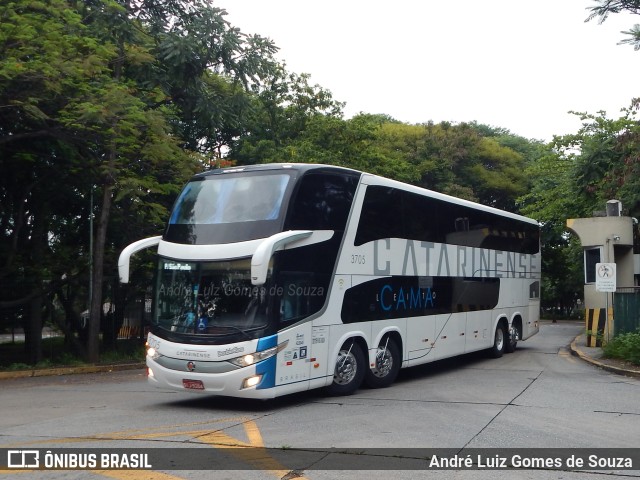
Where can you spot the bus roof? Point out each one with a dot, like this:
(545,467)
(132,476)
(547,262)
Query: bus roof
(303,167)
(368,179)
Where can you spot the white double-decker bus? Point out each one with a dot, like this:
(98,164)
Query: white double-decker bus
(274,279)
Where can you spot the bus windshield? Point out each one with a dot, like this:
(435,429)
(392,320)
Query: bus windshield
(218,200)
(228,208)
(209,298)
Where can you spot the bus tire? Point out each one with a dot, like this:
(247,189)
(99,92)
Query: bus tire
(349,370)
(387,365)
(512,339)
(499,341)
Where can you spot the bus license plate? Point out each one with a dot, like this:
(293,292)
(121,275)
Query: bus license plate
(193,384)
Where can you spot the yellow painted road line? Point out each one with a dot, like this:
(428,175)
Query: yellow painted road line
(136,475)
(117,474)
(42,441)
(254,454)
(566,355)
(133,434)
(255,438)
(164,428)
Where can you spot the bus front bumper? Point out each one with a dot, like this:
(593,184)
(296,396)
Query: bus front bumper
(242,383)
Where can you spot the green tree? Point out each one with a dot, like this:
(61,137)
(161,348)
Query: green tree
(207,68)
(575,178)
(284,103)
(47,55)
(604,8)
(578,175)
(552,199)
(100,99)
(606,160)
(453,159)
(457,160)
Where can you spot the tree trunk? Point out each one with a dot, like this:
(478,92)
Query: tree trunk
(108,182)
(95,310)
(33,324)
(33,332)
(115,319)
(71,323)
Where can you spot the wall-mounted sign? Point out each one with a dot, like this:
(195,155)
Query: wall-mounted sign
(606,277)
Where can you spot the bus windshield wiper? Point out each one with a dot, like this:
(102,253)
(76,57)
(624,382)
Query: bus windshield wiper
(238,329)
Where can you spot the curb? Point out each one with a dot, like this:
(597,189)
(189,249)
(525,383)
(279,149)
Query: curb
(47,372)
(575,350)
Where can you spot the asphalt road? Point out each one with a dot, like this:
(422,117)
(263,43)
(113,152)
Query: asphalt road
(538,397)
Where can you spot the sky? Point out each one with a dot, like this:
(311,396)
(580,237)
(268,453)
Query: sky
(513,64)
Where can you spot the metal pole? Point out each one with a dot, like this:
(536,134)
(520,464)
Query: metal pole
(606,323)
(90,248)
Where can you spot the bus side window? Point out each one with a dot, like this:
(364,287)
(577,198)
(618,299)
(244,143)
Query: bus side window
(381,215)
(322,202)
(420,217)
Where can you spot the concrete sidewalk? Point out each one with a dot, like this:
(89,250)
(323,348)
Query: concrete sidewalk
(45,372)
(595,356)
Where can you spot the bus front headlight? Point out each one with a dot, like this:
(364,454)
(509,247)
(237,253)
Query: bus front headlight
(152,353)
(252,358)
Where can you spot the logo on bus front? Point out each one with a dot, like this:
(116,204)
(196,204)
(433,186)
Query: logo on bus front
(230,351)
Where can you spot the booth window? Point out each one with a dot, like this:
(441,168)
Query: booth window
(591,257)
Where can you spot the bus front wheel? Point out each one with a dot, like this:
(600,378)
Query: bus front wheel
(349,370)
(386,367)
(499,341)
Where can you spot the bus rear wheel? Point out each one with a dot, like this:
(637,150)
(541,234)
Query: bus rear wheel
(386,367)
(349,370)
(499,341)
(513,337)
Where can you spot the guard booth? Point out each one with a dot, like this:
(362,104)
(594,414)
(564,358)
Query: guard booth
(609,265)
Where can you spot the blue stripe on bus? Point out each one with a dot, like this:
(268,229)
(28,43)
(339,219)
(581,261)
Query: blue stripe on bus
(267,368)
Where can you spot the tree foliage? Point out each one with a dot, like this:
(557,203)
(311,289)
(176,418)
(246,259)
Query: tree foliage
(605,160)
(551,200)
(604,8)
(453,159)
(580,173)
(110,100)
